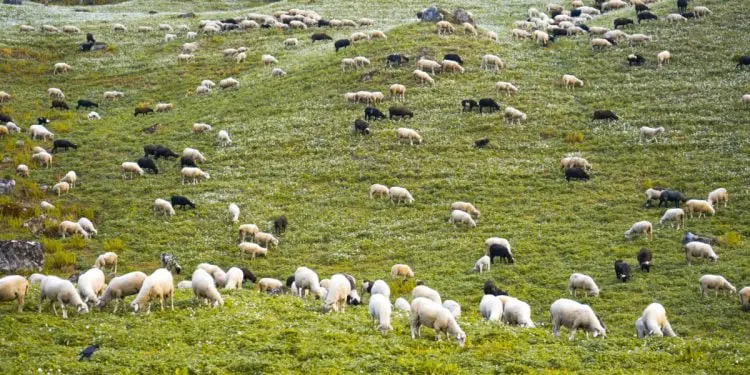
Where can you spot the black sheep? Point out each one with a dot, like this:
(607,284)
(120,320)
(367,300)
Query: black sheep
(5,118)
(644,16)
(320,36)
(682,5)
(148,163)
(62,143)
(323,22)
(622,22)
(229,20)
(91,46)
(90,38)
(373,113)
(576,174)
(488,103)
(671,196)
(468,105)
(481,143)
(158,151)
(86,353)
(341,43)
(605,115)
(59,104)
(399,112)
(187,161)
(248,275)
(689,237)
(361,127)
(453,57)
(575,12)
(560,32)
(584,27)
(150,149)
(641,8)
(279,225)
(396,59)
(289,281)
(502,252)
(644,259)
(622,270)
(42,120)
(490,288)
(743,61)
(86,104)
(229,26)
(142,111)
(178,200)
(688,14)
(636,60)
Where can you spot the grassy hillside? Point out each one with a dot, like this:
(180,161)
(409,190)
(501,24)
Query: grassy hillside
(294,155)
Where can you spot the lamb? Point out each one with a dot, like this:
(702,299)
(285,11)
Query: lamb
(246,229)
(266,239)
(191,35)
(113,95)
(663,57)
(409,134)
(541,37)
(640,228)
(461,217)
(234,280)
(644,259)
(401,270)
(130,169)
(571,81)
(516,312)
(14,287)
(423,77)
(195,174)
(252,249)
(521,34)
(573,315)
(745,298)
(513,115)
(94,116)
(652,194)
(164,207)
(699,206)
(676,214)
(229,83)
(399,194)
(508,87)
(193,154)
(444,27)
(622,270)
(581,281)
(42,158)
(268,284)
(653,322)
(491,308)
(717,196)
(224,139)
(426,292)
(307,279)
(699,250)
(120,287)
(61,188)
(164,107)
(483,264)
(63,292)
(106,259)
(22,170)
(717,283)
(380,311)
(157,285)
(169,37)
(66,227)
(240,57)
(452,66)
(432,315)
(61,68)
(234,212)
(399,91)
(339,288)
(202,90)
(91,285)
(204,288)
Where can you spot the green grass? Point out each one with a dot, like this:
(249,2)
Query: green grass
(294,155)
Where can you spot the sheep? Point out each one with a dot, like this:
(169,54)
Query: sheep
(339,288)
(699,250)
(373,113)
(164,107)
(94,116)
(497,250)
(745,99)
(424,64)
(145,29)
(699,206)
(513,115)
(223,138)
(483,264)
(508,87)
(22,170)
(496,241)
(268,60)
(63,292)
(453,307)
(36,278)
(113,95)
(42,158)
(191,35)
(401,270)
(61,68)
(50,29)
(426,292)
(240,57)
(199,128)
(573,315)
(14,287)
(717,196)
(377,34)
(458,216)
(701,11)
(652,194)
(266,239)
(118,27)
(541,37)
(599,43)
(638,39)
(380,311)
(193,154)
(430,314)
(469,29)
(157,285)
(204,288)
(164,207)
(91,285)
(423,77)
(653,322)
(73,228)
(581,281)
(574,162)
(228,83)
(466,207)
(444,27)
(399,91)
(644,259)
(676,214)
(361,61)
(663,57)
(46,206)
(745,298)
(70,178)
(130,169)
(246,229)
(492,61)
(452,66)
(307,279)
(106,259)
(268,284)
(675,17)
(252,249)
(622,270)
(717,283)
(399,194)
(668,195)
(409,134)
(571,81)
(185,57)
(640,228)
(27,28)
(491,308)
(521,34)
(402,304)
(193,174)
(516,312)
(55,93)
(376,287)
(61,188)
(120,287)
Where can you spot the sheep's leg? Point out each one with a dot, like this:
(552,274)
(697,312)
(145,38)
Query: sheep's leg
(572,333)
(117,304)
(41,299)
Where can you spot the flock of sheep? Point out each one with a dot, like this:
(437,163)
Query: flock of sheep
(427,307)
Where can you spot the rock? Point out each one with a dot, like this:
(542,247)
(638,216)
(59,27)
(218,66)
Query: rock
(7,160)
(16,255)
(430,14)
(36,225)
(462,16)
(6,186)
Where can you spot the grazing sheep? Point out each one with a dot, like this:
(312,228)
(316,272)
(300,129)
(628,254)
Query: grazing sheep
(497,250)
(700,206)
(42,158)
(496,241)
(717,283)
(408,134)
(185,57)
(266,239)
(492,61)
(202,90)
(223,138)
(622,270)
(483,264)
(61,68)
(663,57)
(269,284)
(541,37)
(521,34)
(644,259)
(745,99)
(276,72)
(268,60)
(453,307)
(466,207)
(193,154)
(399,91)
(164,207)
(199,128)
(204,288)
(55,93)
(61,188)
(46,206)
(622,22)
(252,249)
(490,288)
(338,289)
(14,287)
(493,36)
(91,285)
(599,43)
(307,279)
(130,169)
(573,315)
(164,107)
(423,77)
(585,282)
(513,115)
(246,229)
(113,95)
(373,113)
(22,170)
(637,60)
(399,194)
(27,28)
(640,228)
(157,285)
(72,228)
(516,312)
(468,105)
(701,11)
(745,298)
(94,116)
(699,250)
(50,29)
(444,27)
(120,287)
(361,61)
(234,212)
(426,292)
(645,16)
(676,214)
(229,83)
(402,304)
(424,64)
(63,292)
(652,194)
(653,322)
(638,39)
(458,216)
(469,29)
(105,260)
(675,17)
(452,66)
(508,87)
(193,174)
(491,308)
(401,270)
(376,287)
(717,196)
(571,81)
(430,314)
(118,27)
(668,195)
(380,311)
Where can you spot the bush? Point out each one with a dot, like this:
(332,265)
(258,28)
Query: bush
(114,245)
(574,137)
(76,242)
(61,259)
(51,246)
(731,238)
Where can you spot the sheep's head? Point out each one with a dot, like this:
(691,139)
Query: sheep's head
(712,258)
(83,308)
(461,338)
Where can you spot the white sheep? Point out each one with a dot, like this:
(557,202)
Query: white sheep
(745,298)
(94,116)
(23,171)
(185,57)
(249,24)
(650,133)
(14,287)
(399,194)
(229,83)
(145,29)
(701,11)
(61,188)
(466,207)
(165,27)
(423,77)
(118,27)
(63,292)
(377,34)
(253,249)
(199,128)
(408,134)
(401,270)
(599,43)
(378,190)
(220,277)
(361,61)
(191,35)
(399,91)
(36,278)
(157,285)
(640,228)
(4,97)
(380,311)
(634,39)
(202,90)
(513,115)
(46,206)
(169,37)
(193,174)
(130,170)
(717,283)
(425,64)
(493,36)
(458,216)
(70,29)
(483,264)
(492,61)
(208,83)
(541,37)
(42,158)
(223,138)
(676,214)
(70,178)
(520,34)
(69,227)
(574,315)
(430,314)
(120,287)
(348,62)
(268,60)
(27,28)
(356,37)
(108,259)
(163,207)
(745,99)
(91,285)
(663,57)
(452,66)
(516,312)
(402,304)
(508,87)
(338,289)
(40,132)
(235,277)
(163,107)
(276,72)
(444,27)
(240,57)
(267,284)
(453,307)
(491,308)
(581,281)
(307,280)
(61,68)
(11,126)
(246,229)
(205,289)
(193,154)
(376,287)
(570,81)
(266,239)
(653,322)
(234,212)
(113,95)
(699,250)
(700,206)
(50,29)
(426,292)
(717,196)
(652,194)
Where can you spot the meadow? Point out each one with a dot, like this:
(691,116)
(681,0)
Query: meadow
(294,154)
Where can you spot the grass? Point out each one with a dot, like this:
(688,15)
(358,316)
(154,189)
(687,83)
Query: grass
(294,155)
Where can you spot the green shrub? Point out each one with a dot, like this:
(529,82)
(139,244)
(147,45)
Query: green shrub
(114,245)
(574,137)
(50,245)
(61,259)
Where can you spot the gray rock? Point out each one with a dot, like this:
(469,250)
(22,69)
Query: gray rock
(6,186)
(462,16)
(16,255)
(430,14)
